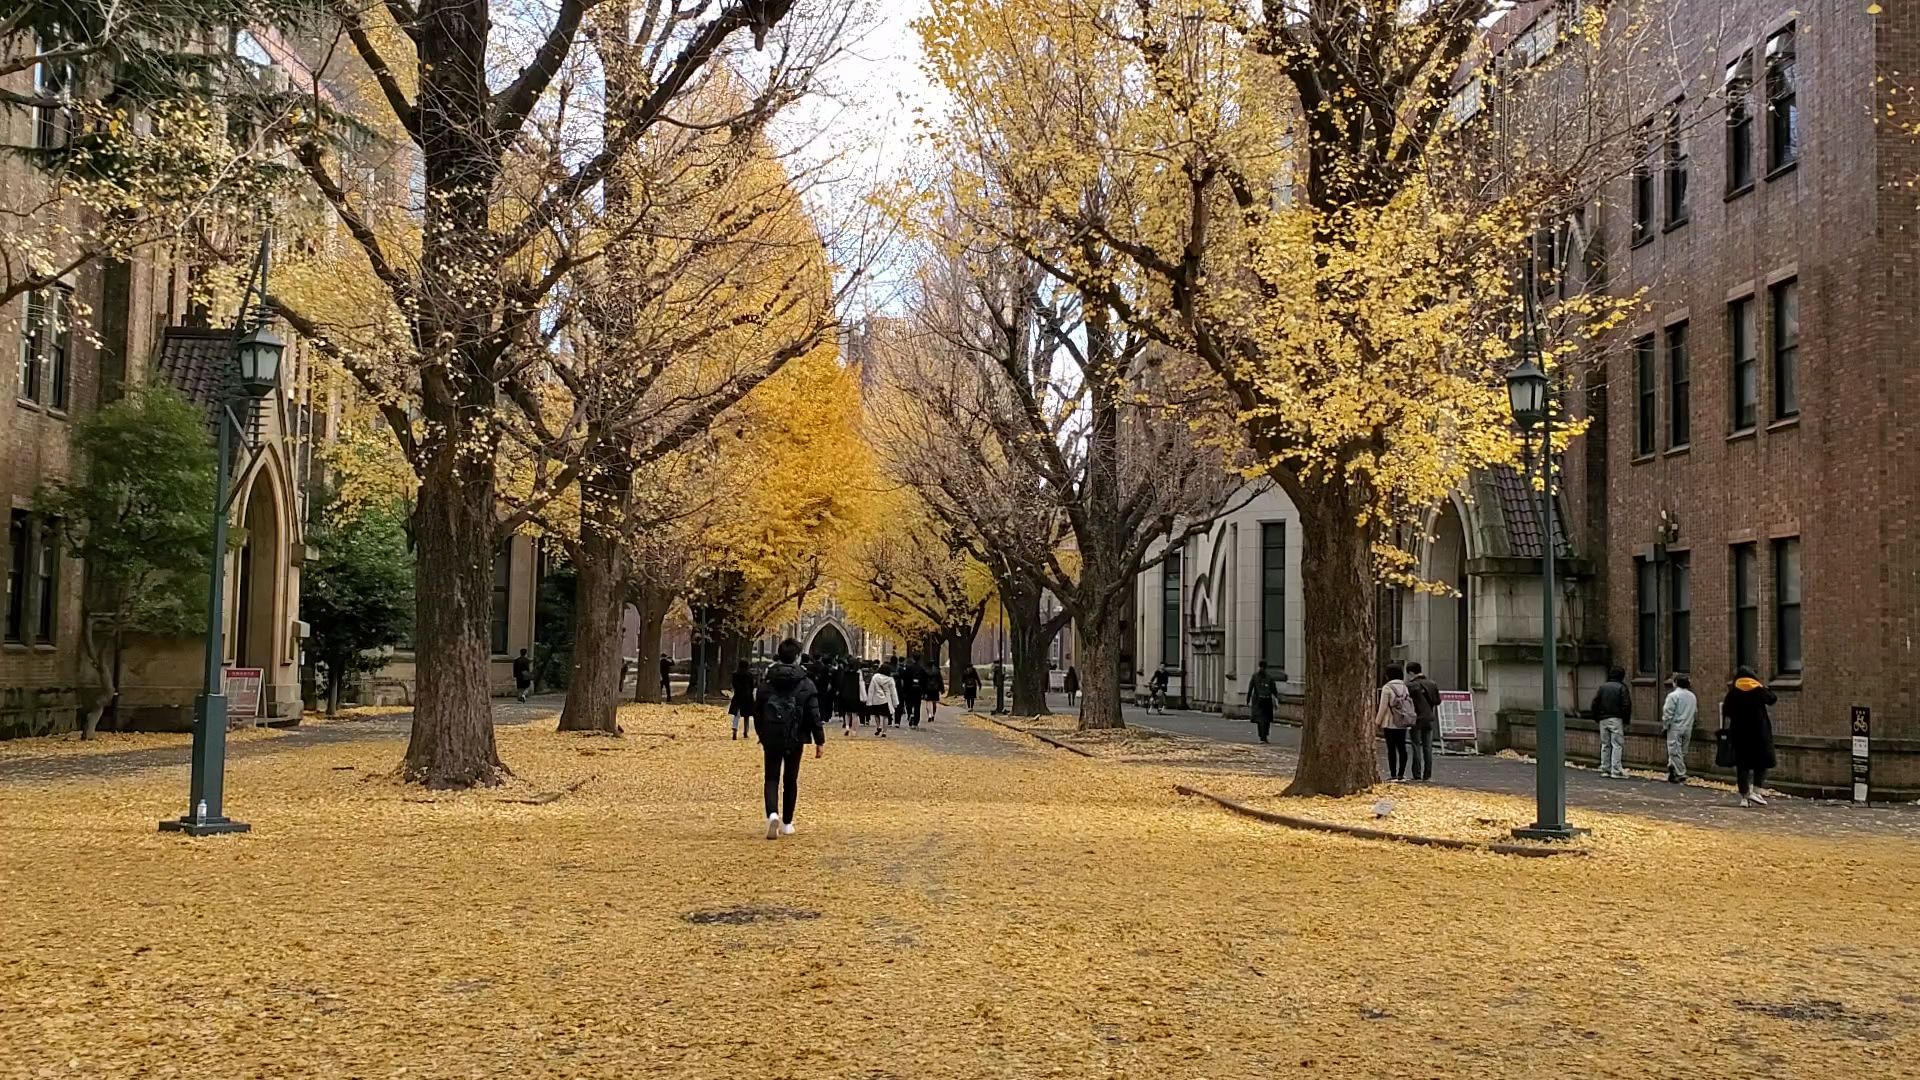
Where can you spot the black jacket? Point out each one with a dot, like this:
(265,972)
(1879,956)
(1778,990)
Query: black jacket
(969,681)
(910,681)
(1426,699)
(1745,711)
(1612,700)
(788,680)
(742,692)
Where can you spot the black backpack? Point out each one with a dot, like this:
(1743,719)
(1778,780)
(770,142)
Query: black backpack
(785,716)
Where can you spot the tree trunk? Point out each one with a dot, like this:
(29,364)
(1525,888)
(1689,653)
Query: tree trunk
(1337,754)
(1099,668)
(959,657)
(452,743)
(652,604)
(109,688)
(1027,640)
(600,590)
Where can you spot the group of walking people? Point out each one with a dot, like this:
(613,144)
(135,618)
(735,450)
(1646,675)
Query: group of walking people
(1407,713)
(1743,742)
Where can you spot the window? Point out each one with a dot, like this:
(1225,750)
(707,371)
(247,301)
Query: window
(248,47)
(1680,610)
(1738,90)
(1741,332)
(1786,607)
(47,589)
(1746,606)
(1273,594)
(1643,187)
(1646,643)
(502,589)
(1679,397)
(1674,161)
(58,342)
(53,124)
(1786,350)
(1783,102)
(33,333)
(1645,415)
(17,533)
(1170,611)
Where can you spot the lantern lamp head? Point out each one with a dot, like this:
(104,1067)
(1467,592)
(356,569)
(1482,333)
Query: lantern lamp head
(258,355)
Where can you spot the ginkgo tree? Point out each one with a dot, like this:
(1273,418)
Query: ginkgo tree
(1286,199)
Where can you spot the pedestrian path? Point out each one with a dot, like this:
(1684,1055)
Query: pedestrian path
(1586,788)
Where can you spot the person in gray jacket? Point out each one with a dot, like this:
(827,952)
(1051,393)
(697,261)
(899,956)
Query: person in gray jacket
(1612,709)
(1676,720)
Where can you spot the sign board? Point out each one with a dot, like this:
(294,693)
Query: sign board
(1862,732)
(1457,721)
(243,691)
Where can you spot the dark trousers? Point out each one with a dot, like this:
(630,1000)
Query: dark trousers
(1396,753)
(971,694)
(1263,720)
(1749,778)
(666,688)
(909,708)
(1423,750)
(783,766)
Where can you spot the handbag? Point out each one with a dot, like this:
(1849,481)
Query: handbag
(1723,747)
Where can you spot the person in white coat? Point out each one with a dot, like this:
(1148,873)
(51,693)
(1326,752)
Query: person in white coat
(1676,720)
(883,698)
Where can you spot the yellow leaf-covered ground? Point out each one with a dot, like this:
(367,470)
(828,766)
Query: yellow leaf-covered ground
(956,904)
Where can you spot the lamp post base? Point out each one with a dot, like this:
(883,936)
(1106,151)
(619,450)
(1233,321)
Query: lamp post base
(1538,831)
(206,827)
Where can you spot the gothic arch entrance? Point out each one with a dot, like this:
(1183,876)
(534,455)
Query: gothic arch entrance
(1447,621)
(829,640)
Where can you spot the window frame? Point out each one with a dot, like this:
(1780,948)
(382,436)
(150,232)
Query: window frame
(1646,193)
(1785,348)
(1743,354)
(1744,574)
(28,367)
(19,533)
(1646,415)
(53,125)
(1646,623)
(1789,643)
(56,360)
(1678,342)
(1679,594)
(1674,170)
(46,581)
(500,627)
(1273,594)
(1171,608)
(1782,53)
(1738,90)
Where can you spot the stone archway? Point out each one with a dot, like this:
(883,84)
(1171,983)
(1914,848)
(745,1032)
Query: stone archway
(1446,641)
(257,589)
(829,640)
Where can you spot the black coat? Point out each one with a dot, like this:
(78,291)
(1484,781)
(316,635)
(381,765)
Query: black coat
(1612,700)
(810,723)
(1745,711)
(742,704)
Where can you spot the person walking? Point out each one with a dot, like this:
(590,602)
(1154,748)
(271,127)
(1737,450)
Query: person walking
(1744,713)
(1394,715)
(1262,694)
(1071,684)
(740,709)
(1426,719)
(936,686)
(883,699)
(970,686)
(848,699)
(666,678)
(523,674)
(1157,690)
(1613,709)
(907,680)
(787,711)
(1676,723)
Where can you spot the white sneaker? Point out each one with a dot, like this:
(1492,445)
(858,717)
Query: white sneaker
(773,826)
(1757,800)
(1744,801)
(786,830)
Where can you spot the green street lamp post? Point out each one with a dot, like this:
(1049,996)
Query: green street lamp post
(1529,394)
(256,354)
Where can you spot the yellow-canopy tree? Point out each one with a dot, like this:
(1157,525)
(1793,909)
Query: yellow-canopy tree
(911,578)
(1283,204)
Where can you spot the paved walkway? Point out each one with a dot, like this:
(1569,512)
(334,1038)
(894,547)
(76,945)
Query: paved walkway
(1586,788)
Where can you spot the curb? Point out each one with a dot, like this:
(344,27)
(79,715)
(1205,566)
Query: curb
(1050,741)
(1310,825)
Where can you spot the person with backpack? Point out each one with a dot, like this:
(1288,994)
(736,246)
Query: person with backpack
(1071,684)
(1262,694)
(1426,713)
(1613,710)
(883,698)
(970,686)
(1157,690)
(1394,715)
(787,711)
(740,708)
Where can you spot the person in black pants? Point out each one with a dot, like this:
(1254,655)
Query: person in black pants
(788,713)
(911,682)
(666,678)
